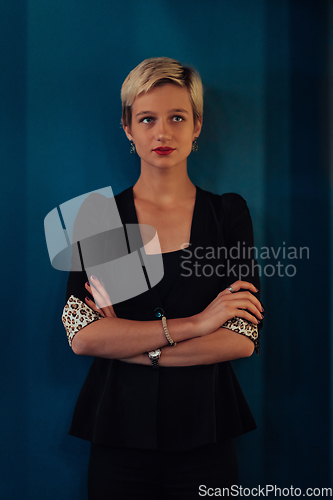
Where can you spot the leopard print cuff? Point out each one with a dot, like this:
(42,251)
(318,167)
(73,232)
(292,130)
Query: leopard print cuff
(244,327)
(76,315)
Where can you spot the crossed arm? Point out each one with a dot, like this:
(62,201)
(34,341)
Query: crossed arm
(200,338)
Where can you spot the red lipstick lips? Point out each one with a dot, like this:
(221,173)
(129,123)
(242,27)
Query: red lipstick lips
(163,150)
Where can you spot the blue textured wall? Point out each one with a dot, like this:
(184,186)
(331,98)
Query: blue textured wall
(265,69)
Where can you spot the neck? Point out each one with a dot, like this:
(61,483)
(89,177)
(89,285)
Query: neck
(164,187)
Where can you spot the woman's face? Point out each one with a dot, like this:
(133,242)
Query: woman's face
(162,126)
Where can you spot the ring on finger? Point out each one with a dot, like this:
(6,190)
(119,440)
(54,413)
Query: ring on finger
(231,290)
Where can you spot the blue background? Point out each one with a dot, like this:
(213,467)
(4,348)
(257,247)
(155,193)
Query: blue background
(267,70)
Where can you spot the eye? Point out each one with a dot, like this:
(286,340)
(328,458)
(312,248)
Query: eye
(177,118)
(147,119)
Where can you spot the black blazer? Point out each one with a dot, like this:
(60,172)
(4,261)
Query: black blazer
(131,405)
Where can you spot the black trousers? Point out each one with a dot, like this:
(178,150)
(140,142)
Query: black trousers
(135,474)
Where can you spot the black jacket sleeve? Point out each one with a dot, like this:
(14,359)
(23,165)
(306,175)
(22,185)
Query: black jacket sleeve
(240,249)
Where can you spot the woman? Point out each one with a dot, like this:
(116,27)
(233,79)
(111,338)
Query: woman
(161,404)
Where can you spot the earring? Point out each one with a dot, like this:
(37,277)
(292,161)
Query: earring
(132,147)
(195,146)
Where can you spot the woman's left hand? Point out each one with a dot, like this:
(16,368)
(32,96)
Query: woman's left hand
(102,302)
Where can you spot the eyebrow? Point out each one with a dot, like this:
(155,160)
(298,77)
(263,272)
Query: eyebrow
(180,110)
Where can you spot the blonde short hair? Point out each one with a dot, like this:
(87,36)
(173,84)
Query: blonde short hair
(158,71)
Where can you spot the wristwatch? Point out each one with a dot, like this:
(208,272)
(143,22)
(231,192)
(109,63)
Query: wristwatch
(154,356)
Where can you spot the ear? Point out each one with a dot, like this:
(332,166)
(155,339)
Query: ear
(197,128)
(127,130)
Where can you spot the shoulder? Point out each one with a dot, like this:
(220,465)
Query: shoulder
(231,199)
(98,213)
(91,205)
(100,201)
(228,201)
(125,193)
(233,204)
(229,209)
(124,197)
(227,198)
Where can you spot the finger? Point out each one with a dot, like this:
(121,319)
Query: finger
(246,315)
(97,284)
(99,292)
(95,293)
(88,286)
(91,291)
(102,304)
(249,306)
(238,285)
(227,296)
(94,307)
(101,296)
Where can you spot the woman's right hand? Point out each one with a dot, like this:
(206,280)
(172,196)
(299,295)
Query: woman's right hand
(227,305)
(102,302)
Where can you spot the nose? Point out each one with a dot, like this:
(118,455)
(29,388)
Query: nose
(162,131)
